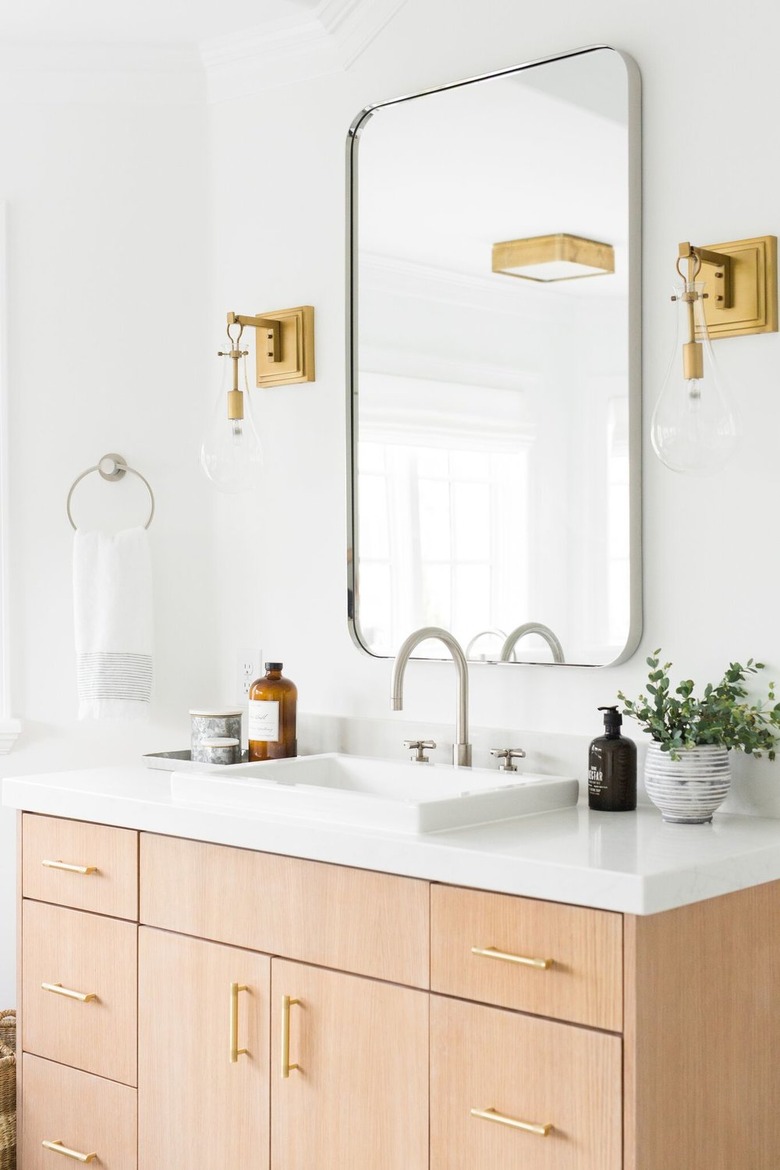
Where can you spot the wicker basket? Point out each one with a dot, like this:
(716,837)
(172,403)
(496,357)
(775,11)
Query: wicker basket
(8,1090)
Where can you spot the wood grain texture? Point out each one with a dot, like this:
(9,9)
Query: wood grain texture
(196,1109)
(584,984)
(360,1097)
(531,1070)
(112,890)
(702,1039)
(354,920)
(84,1112)
(86,953)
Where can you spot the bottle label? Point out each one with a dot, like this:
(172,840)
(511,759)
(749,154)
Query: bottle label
(596,783)
(263,720)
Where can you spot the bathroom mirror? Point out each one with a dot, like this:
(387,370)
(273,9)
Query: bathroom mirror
(494,396)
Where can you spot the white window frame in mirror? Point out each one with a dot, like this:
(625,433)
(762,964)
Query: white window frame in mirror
(634,437)
(9,728)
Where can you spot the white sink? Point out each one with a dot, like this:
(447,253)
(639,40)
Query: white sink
(401,797)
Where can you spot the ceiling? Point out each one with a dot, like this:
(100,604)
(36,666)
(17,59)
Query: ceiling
(142,22)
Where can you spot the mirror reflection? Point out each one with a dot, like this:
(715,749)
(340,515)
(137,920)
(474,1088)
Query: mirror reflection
(493,385)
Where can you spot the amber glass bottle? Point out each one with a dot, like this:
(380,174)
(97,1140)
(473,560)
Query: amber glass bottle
(272,710)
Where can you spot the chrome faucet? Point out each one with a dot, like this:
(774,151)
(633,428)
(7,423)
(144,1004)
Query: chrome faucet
(461,749)
(533,628)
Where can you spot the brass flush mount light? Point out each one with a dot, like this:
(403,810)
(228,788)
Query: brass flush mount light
(230,454)
(730,290)
(550,258)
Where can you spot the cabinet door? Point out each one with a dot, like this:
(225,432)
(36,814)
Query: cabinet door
(358,1096)
(521,1093)
(201,1105)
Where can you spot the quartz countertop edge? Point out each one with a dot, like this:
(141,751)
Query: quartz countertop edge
(631,863)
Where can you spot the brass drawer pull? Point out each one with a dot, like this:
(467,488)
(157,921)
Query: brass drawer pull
(287,1068)
(85,869)
(81,996)
(502,1119)
(494,953)
(235,1051)
(58,1148)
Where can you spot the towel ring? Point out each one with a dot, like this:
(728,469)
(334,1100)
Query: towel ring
(111,467)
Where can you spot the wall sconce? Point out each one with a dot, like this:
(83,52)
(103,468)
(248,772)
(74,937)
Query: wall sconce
(695,424)
(549,258)
(230,453)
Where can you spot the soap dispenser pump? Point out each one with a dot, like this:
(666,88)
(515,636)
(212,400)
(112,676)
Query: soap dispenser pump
(612,767)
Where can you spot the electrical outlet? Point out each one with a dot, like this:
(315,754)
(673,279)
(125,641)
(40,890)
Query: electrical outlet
(249,666)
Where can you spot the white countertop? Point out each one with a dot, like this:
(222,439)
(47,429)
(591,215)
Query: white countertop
(629,862)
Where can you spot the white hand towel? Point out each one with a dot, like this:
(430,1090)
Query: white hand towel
(112,594)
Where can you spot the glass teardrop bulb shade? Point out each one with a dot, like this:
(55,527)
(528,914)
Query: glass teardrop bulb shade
(695,424)
(231,454)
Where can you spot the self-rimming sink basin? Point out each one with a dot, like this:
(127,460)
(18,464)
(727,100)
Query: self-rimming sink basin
(397,796)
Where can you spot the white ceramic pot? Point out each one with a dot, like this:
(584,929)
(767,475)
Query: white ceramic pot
(687,791)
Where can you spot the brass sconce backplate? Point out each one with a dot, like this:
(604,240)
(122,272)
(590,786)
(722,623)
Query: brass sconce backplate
(297,349)
(753,307)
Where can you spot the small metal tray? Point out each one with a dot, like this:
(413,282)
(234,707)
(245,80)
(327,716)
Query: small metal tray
(183,762)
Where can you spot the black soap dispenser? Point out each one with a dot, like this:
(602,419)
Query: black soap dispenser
(612,767)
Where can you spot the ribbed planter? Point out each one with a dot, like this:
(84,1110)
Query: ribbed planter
(687,791)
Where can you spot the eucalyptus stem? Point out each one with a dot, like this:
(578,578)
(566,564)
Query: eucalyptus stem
(724,714)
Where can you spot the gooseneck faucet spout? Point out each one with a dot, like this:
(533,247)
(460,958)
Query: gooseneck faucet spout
(533,628)
(461,751)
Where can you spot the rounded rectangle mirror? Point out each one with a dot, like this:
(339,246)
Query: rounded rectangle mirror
(494,364)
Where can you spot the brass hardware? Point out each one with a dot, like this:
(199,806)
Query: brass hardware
(273,331)
(741,283)
(85,869)
(693,360)
(235,1051)
(58,1148)
(287,1068)
(494,953)
(81,996)
(563,253)
(502,1119)
(285,354)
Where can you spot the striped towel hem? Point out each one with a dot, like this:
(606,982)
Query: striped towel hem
(112,675)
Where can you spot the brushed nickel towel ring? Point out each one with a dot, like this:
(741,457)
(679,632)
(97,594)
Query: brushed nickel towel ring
(111,467)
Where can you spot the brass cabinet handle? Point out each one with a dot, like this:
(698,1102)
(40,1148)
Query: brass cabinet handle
(287,1068)
(81,996)
(58,1148)
(502,1119)
(235,1051)
(495,953)
(85,869)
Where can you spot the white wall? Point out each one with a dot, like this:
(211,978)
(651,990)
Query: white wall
(710,548)
(108,261)
(126,305)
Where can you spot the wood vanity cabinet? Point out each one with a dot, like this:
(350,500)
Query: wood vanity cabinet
(295,1014)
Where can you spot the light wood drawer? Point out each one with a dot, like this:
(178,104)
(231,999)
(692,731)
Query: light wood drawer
(354,920)
(534,1071)
(583,983)
(84,1113)
(92,956)
(109,855)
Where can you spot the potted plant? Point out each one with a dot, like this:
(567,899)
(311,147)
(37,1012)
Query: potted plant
(687,771)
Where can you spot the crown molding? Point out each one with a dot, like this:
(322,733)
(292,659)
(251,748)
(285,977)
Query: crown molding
(328,39)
